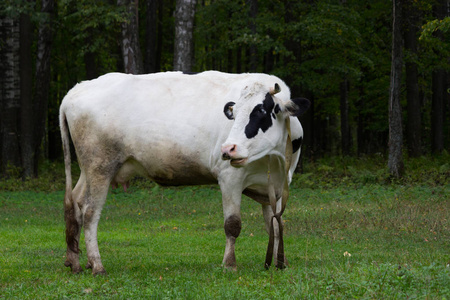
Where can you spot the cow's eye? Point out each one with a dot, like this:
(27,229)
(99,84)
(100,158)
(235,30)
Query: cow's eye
(228,110)
(262,110)
(259,109)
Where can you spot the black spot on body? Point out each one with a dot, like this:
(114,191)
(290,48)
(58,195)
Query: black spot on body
(260,117)
(296,144)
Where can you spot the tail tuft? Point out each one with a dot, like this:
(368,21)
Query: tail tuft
(72,227)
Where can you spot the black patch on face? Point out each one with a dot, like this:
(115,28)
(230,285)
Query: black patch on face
(296,144)
(277,109)
(260,117)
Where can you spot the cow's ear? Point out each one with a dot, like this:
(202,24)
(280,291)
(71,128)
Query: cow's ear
(275,90)
(297,107)
(228,110)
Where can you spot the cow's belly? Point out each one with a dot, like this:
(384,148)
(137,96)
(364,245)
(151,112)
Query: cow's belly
(179,170)
(167,168)
(168,153)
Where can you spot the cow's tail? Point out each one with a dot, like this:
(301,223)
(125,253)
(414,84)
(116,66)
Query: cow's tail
(72,226)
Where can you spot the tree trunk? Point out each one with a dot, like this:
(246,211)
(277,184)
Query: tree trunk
(345,126)
(26,100)
(438,88)
(10,95)
(360,144)
(90,63)
(43,78)
(414,123)
(159,43)
(150,36)
(239,59)
(437,111)
(184,43)
(307,121)
(253,54)
(90,57)
(230,60)
(230,50)
(131,51)
(395,161)
(53,132)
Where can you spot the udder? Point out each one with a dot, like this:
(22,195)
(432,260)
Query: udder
(128,170)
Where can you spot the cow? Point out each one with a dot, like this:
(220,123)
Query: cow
(240,131)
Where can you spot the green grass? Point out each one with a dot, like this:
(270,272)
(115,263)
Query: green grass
(168,243)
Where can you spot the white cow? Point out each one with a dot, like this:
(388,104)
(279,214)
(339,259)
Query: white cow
(176,129)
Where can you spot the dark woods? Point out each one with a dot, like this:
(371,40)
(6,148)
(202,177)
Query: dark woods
(342,55)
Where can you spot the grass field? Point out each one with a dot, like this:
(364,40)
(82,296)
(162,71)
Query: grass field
(351,232)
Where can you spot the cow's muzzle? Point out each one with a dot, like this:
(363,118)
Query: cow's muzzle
(229,152)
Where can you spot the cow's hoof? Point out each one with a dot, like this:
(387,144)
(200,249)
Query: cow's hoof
(75,270)
(96,270)
(101,271)
(229,268)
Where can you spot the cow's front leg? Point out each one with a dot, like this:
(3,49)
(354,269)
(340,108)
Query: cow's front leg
(232,227)
(268,215)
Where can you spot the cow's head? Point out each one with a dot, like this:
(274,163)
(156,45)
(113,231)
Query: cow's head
(259,127)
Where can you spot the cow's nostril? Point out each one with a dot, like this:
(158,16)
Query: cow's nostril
(228,151)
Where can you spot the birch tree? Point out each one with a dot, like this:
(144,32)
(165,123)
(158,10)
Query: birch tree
(184,27)
(9,93)
(131,51)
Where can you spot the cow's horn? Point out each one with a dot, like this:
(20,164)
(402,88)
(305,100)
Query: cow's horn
(275,90)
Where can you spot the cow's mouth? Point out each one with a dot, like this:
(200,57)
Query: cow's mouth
(238,162)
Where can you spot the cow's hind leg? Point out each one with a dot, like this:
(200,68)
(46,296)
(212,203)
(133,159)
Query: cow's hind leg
(96,197)
(73,226)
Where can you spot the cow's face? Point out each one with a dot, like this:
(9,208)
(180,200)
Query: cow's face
(259,127)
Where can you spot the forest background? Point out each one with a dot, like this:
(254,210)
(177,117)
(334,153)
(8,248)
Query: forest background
(339,54)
